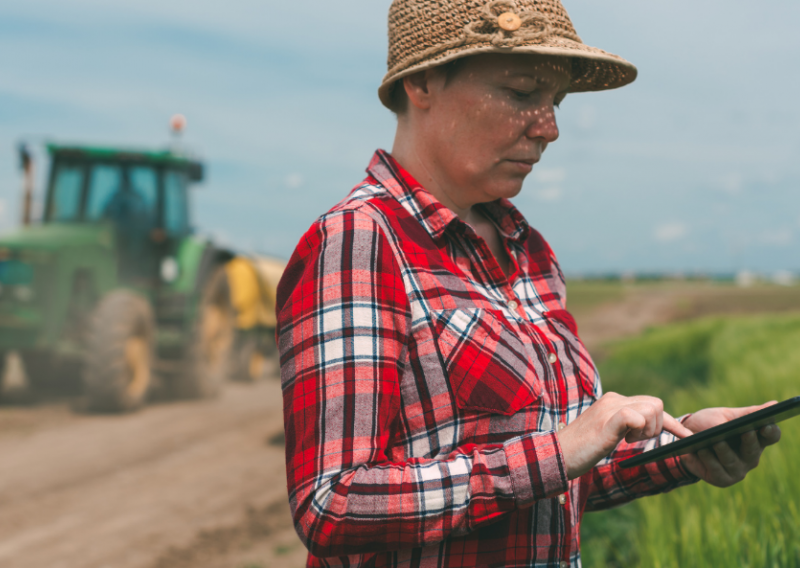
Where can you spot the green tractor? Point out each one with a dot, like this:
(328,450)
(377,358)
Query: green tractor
(112,291)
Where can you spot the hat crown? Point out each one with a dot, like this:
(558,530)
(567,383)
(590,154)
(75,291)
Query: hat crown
(421,28)
(428,33)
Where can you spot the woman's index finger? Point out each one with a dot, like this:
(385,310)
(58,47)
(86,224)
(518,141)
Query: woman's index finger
(673,426)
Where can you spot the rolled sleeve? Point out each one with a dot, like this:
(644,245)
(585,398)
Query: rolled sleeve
(611,486)
(536,466)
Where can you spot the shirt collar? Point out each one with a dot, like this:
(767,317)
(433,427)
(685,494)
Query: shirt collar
(430,213)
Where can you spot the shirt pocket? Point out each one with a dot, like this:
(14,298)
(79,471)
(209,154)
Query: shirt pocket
(487,364)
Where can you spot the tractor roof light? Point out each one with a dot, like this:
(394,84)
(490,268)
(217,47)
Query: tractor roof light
(177,123)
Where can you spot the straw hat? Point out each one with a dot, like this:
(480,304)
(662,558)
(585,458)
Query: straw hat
(428,33)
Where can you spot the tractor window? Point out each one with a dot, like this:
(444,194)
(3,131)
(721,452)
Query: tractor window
(144,181)
(122,196)
(105,183)
(175,207)
(66,197)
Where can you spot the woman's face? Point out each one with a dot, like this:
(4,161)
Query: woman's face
(490,123)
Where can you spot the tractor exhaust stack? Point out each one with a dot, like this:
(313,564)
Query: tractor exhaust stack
(26,164)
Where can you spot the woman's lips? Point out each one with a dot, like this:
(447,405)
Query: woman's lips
(524,165)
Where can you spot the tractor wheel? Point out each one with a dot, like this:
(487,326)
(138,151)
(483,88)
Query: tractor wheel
(119,353)
(208,357)
(255,359)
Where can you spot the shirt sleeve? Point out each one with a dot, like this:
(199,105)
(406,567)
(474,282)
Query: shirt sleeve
(611,486)
(344,336)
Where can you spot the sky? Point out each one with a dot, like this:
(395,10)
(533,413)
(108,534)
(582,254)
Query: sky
(693,168)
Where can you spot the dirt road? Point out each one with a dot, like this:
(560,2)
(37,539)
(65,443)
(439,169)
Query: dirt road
(189,484)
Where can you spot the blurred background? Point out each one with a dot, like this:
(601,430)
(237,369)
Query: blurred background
(692,168)
(673,206)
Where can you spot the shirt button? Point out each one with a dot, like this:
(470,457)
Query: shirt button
(513,305)
(564,565)
(552,358)
(562,499)
(561,426)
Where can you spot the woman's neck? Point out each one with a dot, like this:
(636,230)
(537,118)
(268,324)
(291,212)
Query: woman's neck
(409,156)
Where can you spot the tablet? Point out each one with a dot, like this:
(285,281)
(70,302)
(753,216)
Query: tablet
(728,431)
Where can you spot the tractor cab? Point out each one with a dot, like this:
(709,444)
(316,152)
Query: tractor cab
(141,196)
(114,288)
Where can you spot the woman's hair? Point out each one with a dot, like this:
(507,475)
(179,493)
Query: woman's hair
(399,99)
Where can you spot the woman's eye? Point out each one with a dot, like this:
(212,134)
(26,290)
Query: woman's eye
(523,95)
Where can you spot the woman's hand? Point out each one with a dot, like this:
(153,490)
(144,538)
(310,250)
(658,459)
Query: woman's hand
(598,431)
(723,466)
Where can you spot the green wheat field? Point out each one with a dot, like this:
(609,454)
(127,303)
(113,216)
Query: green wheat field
(721,361)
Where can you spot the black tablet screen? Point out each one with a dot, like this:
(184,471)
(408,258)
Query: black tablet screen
(730,430)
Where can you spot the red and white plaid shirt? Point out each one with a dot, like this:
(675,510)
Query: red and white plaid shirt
(423,390)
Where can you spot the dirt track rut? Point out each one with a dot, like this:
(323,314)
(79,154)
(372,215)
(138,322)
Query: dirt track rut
(129,491)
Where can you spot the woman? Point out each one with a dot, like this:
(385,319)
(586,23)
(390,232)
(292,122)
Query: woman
(440,409)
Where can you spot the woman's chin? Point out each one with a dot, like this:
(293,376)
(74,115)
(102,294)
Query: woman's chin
(507,190)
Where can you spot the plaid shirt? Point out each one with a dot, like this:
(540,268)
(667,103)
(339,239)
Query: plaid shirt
(423,390)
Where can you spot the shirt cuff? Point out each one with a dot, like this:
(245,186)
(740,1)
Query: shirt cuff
(536,466)
(671,470)
(688,477)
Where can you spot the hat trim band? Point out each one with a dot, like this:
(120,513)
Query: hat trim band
(534,27)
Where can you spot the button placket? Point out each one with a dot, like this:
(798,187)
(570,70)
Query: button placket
(562,499)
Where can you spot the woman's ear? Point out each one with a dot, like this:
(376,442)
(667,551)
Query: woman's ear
(418,88)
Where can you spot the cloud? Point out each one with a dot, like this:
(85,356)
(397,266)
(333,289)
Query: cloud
(293,181)
(549,194)
(586,117)
(777,237)
(550,175)
(771,177)
(731,183)
(549,182)
(670,232)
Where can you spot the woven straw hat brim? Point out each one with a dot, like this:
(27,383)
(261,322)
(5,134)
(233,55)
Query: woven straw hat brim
(592,69)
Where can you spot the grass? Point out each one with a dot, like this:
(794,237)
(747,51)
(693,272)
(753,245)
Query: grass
(285,549)
(715,362)
(692,299)
(584,295)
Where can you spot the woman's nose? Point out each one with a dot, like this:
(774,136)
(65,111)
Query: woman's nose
(543,125)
